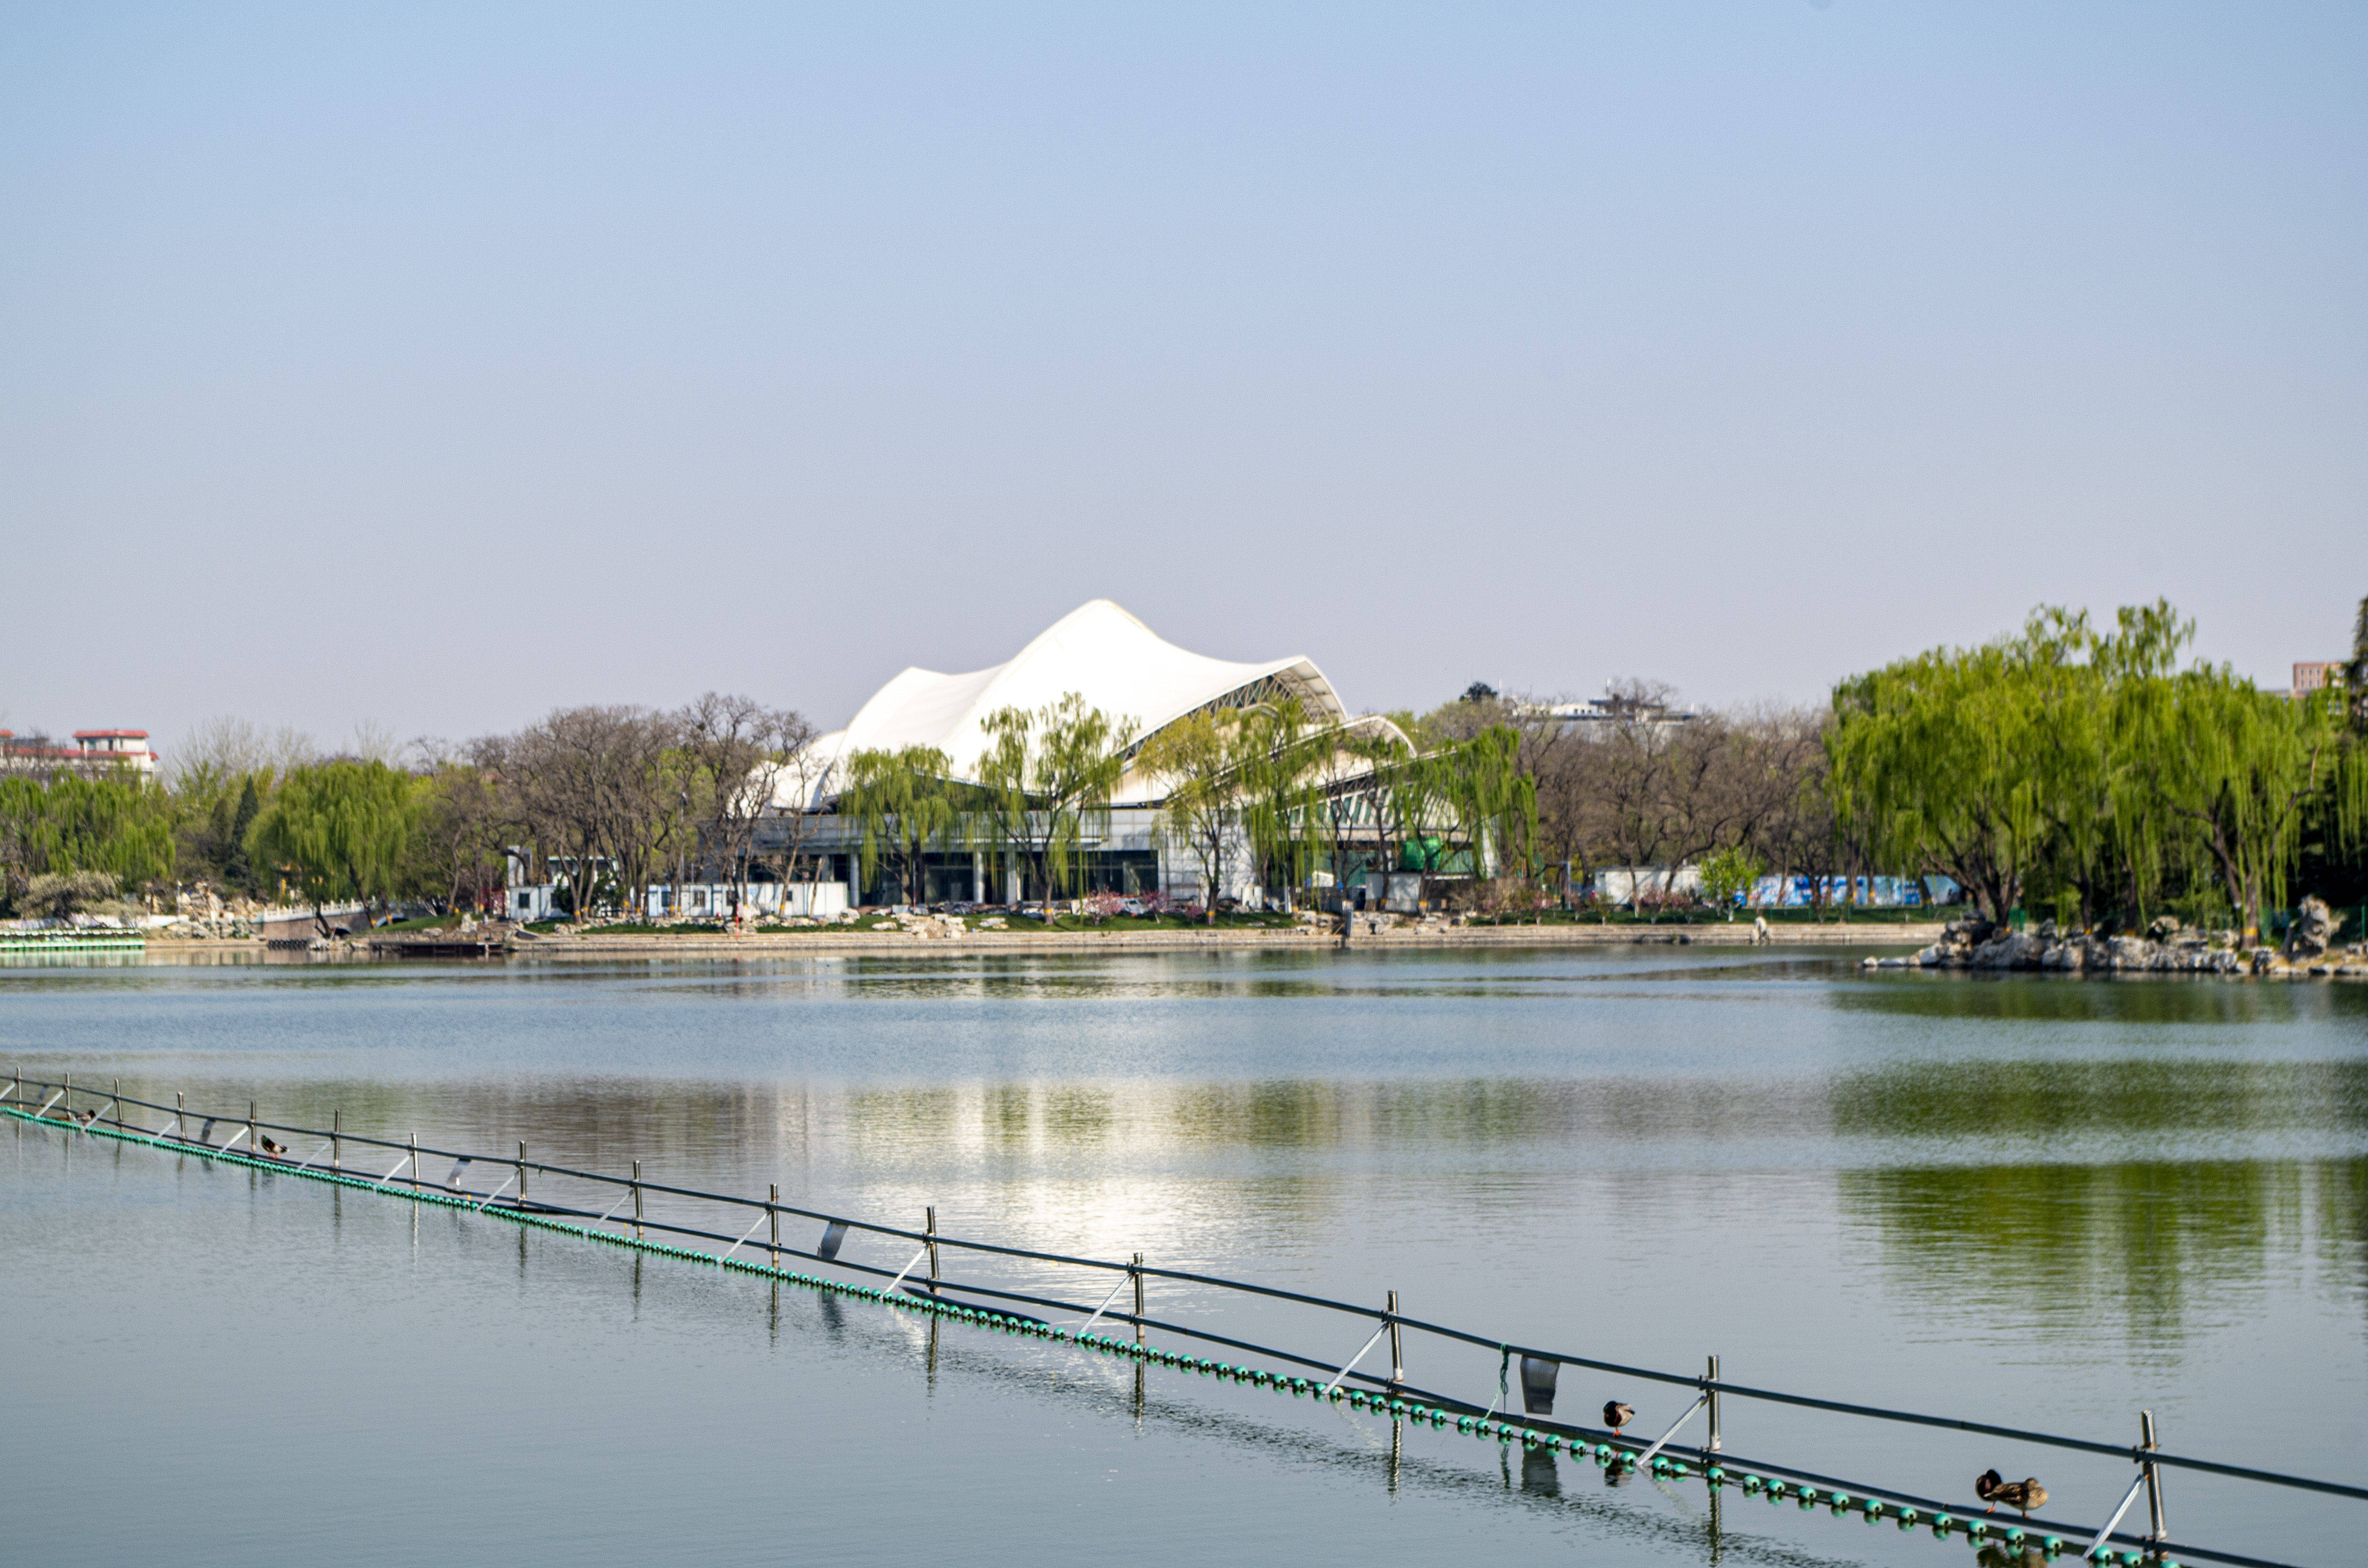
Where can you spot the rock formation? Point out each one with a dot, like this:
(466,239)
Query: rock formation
(2169,948)
(2312,928)
(1979,943)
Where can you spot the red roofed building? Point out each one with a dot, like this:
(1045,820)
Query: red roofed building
(94,752)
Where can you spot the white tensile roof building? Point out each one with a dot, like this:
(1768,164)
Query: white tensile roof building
(1117,664)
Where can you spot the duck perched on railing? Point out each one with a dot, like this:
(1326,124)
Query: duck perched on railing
(2024,1495)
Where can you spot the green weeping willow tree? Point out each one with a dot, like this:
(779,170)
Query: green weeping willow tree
(1045,784)
(2230,773)
(1195,762)
(1277,796)
(2084,769)
(1942,760)
(118,825)
(1493,801)
(339,830)
(906,809)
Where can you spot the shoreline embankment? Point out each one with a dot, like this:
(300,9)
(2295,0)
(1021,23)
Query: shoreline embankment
(936,938)
(1303,938)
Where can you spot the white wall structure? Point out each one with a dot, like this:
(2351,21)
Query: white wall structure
(531,901)
(1620,884)
(704,901)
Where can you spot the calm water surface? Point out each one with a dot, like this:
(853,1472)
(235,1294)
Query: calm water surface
(2033,1200)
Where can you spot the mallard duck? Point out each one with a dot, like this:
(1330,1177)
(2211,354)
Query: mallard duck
(2022,1495)
(271,1148)
(1616,1416)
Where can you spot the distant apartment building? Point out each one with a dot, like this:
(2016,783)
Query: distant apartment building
(2316,675)
(94,754)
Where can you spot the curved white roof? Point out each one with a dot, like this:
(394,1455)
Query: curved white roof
(1097,650)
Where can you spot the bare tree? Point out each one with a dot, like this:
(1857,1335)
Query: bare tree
(231,748)
(1792,830)
(465,820)
(1632,761)
(731,749)
(783,831)
(592,781)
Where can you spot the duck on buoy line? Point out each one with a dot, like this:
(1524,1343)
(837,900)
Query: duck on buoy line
(2023,1495)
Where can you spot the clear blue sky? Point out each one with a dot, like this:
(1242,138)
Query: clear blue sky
(433,365)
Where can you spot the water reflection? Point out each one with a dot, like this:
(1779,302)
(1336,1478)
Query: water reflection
(2162,1246)
(1995,1555)
(2129,999)
(1973,1111)
(2040,1098)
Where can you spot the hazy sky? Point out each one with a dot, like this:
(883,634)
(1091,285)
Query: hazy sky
(432,367)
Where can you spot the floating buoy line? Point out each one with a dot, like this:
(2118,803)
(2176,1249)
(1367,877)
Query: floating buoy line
(1395,1400)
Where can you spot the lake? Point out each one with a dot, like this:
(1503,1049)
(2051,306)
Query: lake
(2032,1201)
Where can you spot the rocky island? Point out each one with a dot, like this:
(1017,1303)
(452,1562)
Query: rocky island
(2167,948)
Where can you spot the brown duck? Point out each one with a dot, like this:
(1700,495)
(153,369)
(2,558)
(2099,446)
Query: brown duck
(1616,1416)
(2023,1495)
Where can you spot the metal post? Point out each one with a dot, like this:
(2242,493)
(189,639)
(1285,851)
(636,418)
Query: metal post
(180,1116)
(415,1162)
(1713,1405)
(772,1198)
(929,1228)
(637,1201)
(336,1142)
(521,1173)
(1138,1299)
(1397,1345)
(254,1145)
(2155,1528)
(119,1105)
(65,1107)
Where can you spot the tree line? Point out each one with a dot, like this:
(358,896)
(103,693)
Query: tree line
(611,793)
(2093,773)
(2084,772)
(2087,772)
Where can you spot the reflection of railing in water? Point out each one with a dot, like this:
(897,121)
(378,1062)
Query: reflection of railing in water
(51,1104)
